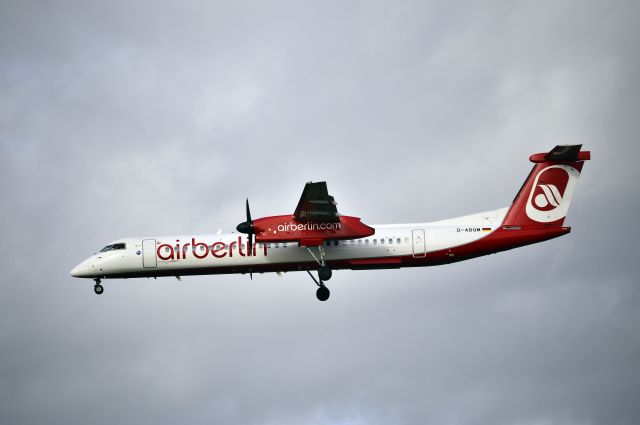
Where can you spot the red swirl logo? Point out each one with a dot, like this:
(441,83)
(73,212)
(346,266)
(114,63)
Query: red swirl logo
(552,188)
(550,196)
(549,189)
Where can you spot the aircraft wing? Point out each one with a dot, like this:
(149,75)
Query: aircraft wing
(316,205)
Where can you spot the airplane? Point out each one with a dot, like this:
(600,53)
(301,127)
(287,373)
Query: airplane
(317,238)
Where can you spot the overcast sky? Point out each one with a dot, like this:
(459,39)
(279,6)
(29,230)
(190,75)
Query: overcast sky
(144,118)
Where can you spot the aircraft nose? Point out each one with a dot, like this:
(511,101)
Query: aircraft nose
(75,272)
(79,271)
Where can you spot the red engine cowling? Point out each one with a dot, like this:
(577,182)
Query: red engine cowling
(284,228)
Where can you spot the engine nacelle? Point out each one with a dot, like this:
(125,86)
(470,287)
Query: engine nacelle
(285,228)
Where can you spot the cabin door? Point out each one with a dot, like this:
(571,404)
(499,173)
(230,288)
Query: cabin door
(149,253)
(419,245)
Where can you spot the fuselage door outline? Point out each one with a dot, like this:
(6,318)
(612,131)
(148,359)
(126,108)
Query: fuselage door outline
(419,245)
(149,258)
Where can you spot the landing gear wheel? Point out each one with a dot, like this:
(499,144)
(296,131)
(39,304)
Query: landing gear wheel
(324,273)
(98,289)
(323,293)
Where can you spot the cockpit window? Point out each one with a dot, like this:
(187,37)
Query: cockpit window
(113,247)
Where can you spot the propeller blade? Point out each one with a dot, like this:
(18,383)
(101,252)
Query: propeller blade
(246,226)
(250,237)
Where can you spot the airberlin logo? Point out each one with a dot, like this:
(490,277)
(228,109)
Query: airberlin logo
(551,193)
(202,250)
(292,227)
(550,196)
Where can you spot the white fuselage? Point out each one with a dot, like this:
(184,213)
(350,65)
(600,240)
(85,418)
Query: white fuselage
(227,253)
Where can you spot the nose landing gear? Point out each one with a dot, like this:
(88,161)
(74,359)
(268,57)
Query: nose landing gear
(97,288)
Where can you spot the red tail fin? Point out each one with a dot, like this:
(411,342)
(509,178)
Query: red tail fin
(545,196)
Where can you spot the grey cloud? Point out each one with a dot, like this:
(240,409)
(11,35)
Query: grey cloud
(121,119)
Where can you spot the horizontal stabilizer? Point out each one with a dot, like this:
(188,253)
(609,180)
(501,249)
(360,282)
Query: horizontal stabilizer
(562,153)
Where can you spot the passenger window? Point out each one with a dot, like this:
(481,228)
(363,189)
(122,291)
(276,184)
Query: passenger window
(167,249)
(277,245)
(398,240)
(382,240)
(366,241)
(327,243)
(390,240)
(335,243)
(375,241)
(359,241)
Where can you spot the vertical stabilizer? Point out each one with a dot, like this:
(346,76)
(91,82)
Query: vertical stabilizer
(546,194)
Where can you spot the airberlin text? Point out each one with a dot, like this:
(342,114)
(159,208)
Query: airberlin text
(292,227)
(201,250)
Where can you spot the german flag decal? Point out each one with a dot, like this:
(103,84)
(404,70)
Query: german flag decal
(486,229)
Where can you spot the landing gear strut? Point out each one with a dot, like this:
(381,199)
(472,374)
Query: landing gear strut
(324,274)
(97,288)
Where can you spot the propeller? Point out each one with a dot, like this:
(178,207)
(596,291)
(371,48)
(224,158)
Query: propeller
(247,227)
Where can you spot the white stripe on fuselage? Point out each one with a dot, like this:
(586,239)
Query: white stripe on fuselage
(390,240)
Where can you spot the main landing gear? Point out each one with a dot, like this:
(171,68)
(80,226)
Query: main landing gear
(323,292)
(324,274)
(97,288)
